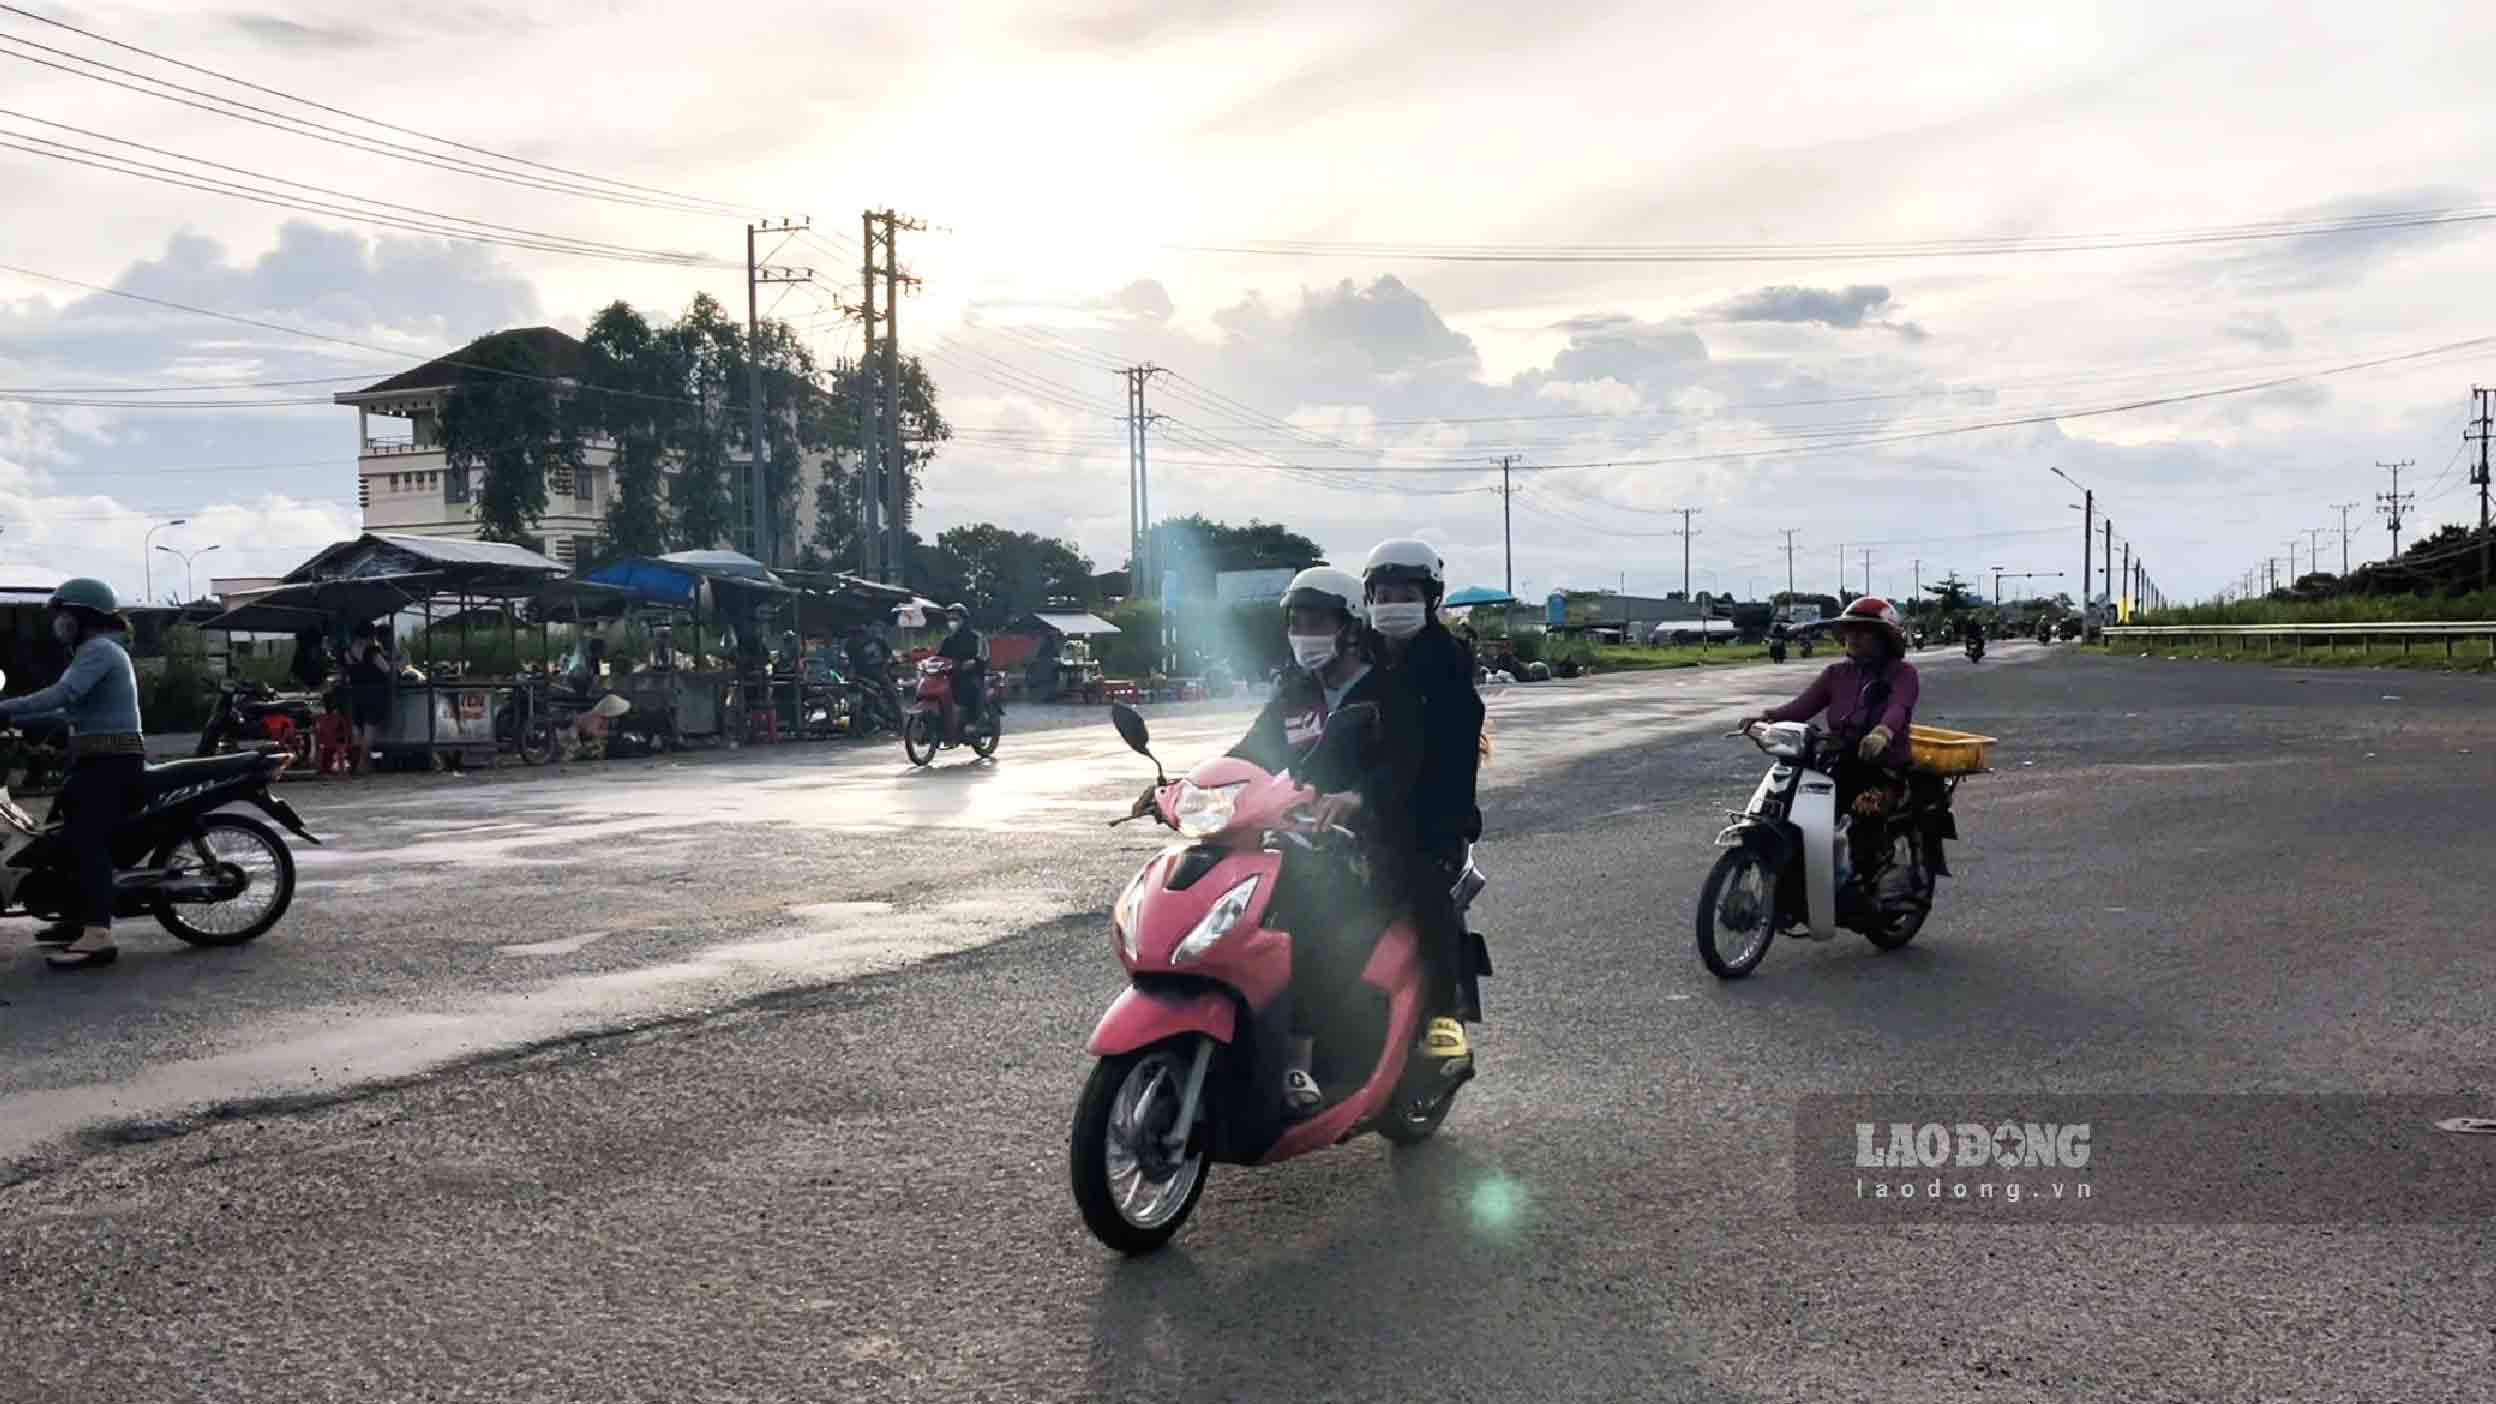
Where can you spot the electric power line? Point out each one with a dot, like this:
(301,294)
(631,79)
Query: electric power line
(617,192)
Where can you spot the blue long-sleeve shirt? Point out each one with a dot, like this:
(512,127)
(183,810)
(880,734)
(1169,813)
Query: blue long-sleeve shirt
(98,695)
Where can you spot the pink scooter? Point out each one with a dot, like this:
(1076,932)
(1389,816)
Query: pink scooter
(1192,1056)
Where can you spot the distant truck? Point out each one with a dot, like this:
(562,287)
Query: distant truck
(1798,614)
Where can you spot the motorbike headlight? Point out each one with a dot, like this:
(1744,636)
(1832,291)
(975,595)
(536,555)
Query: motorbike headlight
(1784,740)
(1122,917)
(1203,811)
(1217,923)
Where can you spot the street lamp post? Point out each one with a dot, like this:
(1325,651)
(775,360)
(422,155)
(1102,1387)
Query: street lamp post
(188,593)
(147,563)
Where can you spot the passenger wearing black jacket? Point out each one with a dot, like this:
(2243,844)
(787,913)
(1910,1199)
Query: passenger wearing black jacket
(1402,585)
(1372,795)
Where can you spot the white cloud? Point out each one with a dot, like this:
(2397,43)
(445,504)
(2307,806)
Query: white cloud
(1016,130)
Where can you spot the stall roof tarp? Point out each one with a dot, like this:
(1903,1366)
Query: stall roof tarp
(668,581)
(391,553)
(1076,625)
(1479,595)
(312,603)
(729,563)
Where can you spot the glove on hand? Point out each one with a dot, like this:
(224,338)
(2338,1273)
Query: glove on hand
(1874,743)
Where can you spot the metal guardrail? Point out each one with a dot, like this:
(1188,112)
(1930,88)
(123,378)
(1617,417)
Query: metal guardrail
(2301,636)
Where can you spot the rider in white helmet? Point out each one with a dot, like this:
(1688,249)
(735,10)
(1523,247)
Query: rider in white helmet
(1331,670)
(1403,582)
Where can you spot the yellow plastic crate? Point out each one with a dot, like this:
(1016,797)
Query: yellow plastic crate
(1945,752)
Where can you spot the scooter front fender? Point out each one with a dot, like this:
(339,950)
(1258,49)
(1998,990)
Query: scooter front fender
(1142,1017)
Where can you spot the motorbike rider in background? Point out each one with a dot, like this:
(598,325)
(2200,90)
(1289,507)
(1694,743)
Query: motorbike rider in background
(1330,671)
(969,653)
(98,695)
(1870,698)
(1402,583)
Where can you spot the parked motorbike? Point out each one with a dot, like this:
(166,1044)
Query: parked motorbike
(210,876)
(249,713)
(934,722)
(1793,863)
(1191,1057)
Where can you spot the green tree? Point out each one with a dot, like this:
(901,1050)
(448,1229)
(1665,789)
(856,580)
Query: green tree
(1007,573)
(630,397)
(1198,548)
(839,506)
(703,348)
(510,420)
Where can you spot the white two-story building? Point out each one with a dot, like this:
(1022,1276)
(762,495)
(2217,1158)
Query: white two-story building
(404,482)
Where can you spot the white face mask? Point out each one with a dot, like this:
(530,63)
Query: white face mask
(65,628)
(1399,621)
(1313,651)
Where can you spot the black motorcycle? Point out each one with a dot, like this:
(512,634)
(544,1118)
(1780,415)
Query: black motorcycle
(210,876)
(241,721)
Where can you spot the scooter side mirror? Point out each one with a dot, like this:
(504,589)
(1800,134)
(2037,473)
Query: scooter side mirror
(1131,728)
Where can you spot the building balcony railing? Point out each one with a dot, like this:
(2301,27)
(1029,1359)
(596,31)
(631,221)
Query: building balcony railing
(384,448)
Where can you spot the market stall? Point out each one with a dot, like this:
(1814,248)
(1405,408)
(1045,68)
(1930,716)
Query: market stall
(718,686)
(379,579)
(1053,651)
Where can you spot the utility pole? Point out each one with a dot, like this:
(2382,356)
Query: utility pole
(2088,516)
(1841,576)
(868,374)
(2486,396)
(2392,504)
(2107,566)
(1507,532)
(1790,534)
(1139,498)
(2344,509)
(885,485)
(2124,609)
(1685,534)
(758,482)
(1867,570)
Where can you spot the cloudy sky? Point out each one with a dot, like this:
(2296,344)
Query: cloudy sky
(1852,274)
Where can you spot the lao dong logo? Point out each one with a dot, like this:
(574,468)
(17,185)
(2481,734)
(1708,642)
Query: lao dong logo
(2007,1145)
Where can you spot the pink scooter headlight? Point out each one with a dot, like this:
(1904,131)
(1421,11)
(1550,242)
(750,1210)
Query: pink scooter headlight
(1122,916)
(1217,923)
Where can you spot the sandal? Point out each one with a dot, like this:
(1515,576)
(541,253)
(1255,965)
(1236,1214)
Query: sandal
(83,960)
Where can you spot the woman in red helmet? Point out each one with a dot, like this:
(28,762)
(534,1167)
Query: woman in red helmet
(1869,697)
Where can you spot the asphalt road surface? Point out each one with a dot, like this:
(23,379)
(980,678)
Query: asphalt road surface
(750,1080)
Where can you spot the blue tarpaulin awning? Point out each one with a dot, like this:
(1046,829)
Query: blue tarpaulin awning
(1478,595)
(677,579)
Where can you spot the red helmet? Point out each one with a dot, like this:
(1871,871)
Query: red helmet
(1874,610)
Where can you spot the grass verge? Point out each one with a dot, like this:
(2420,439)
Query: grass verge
(2424,655)
(1634,660)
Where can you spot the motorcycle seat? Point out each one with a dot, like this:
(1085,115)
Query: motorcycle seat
(174,774)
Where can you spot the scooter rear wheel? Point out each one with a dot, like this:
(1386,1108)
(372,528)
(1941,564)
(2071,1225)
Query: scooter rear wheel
(918,739)
(1134,1197)
(1737,923)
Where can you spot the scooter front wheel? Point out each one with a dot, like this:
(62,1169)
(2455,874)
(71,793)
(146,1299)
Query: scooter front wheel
(1737,914)
(1134,1192)
(984,741)
(918,739)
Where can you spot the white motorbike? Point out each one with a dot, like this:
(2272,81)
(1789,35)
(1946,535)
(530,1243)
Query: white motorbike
(1792,863)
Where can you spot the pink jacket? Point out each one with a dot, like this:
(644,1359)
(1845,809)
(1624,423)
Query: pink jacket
(1839,690)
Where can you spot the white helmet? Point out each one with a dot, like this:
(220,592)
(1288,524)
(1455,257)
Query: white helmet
(1324,587)
(1405,560)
